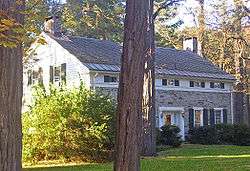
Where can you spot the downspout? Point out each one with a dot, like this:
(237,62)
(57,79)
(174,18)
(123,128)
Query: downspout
(232,105)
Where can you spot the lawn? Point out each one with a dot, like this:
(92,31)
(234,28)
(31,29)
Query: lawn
(187,157)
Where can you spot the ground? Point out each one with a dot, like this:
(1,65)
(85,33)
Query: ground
(188,157)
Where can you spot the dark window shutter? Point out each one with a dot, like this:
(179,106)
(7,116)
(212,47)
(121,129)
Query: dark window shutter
(212,116)
(225,116)
(211,84)
(191,84)
(205,117)
(176,82)
(203,84)
(51,73)
(30,77)
(40,76)
(191,118)
(164,82)
(63,72)
(222,85)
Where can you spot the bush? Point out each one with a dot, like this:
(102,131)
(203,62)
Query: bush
(221,134)
(169,135)
(203,135)
(67,124)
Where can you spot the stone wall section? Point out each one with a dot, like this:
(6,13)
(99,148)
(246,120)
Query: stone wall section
(187,100)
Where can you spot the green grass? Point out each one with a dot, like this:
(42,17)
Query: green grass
(186,158)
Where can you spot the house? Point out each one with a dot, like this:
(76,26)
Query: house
(190,90)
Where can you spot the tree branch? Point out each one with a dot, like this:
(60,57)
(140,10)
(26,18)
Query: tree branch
(239,38)
(165,5)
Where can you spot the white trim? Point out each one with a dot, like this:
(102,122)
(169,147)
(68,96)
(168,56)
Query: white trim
(166,88)
(105,85)
(195,89)
(161,109)
(232,107)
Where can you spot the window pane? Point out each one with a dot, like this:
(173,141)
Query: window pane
(191,84)
(109,79)
(164,82)
(217,114)
(171,82)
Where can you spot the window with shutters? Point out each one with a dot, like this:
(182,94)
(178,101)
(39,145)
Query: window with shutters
(198,117)
(218,116)
(197,84)
(170,82)
(110,79)
(35,76)
(58,74)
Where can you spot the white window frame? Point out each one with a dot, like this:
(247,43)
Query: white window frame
(221,115)
(199,109)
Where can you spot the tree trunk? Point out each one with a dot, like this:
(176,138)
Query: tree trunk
(202,27)
(148,147)
(10,100)
(129,113)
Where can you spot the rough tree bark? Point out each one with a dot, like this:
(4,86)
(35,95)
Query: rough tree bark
(129,112)
(10,99)
(148,147)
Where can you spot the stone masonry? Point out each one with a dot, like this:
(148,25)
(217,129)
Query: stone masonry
(187,100)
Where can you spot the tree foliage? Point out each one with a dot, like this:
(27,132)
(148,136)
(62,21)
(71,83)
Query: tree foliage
(11,30)
(94,18)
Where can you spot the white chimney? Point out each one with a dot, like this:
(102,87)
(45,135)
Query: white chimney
(52,25)
(192,44)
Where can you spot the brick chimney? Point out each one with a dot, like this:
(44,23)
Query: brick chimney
(192,44)
(52,25)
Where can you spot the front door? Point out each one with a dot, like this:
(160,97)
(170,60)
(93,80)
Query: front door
(174,118)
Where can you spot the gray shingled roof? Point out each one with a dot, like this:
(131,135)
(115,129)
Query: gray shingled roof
(102,55)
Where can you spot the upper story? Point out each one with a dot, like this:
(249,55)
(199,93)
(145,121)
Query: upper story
(97,63)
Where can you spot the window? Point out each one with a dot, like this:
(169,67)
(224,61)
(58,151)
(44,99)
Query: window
(218,116)
(217,85)
(170,82)
(198,118)
(110,79)
(58,74)
(35,77)
(197,84)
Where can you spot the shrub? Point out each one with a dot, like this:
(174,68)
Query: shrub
(221,134)
(169,135)
(67,124)
(203,135)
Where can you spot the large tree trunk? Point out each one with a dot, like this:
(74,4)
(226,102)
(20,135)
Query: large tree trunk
(148,147)
(129,114)
(10,100)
